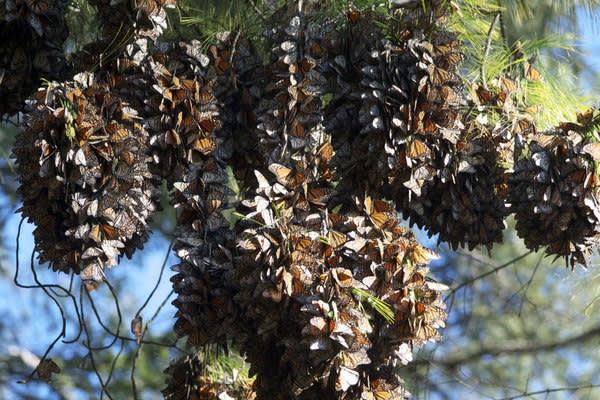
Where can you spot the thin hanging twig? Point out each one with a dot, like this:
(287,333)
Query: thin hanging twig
(115,336)
(139,346)
(114,363)
(45,288)
(88,344)
(498,268)
(486,52)
(162,269)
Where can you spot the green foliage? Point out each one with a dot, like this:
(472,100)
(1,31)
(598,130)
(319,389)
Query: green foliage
(556,94)
(381,307)
(83,27)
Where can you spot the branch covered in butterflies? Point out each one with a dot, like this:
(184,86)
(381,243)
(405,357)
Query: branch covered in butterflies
(94,152)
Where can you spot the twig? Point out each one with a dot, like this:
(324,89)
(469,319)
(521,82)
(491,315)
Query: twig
(553,390)
(498,268)
(512,349)
(235,41)
(102,323)
(503,25)
(162,269)
(488,44)
(88,345)
(114,363)
(526,286)
(67,291)
(139,346)
(44,288)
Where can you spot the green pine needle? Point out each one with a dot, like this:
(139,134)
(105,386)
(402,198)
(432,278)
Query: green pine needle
(380,306)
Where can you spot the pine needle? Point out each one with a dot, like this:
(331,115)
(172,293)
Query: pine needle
(380,306)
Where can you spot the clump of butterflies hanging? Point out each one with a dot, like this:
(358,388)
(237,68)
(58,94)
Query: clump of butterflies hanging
(343,130)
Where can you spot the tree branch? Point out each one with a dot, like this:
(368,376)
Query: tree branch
(498,268)
(553,390)
(488,45)
(453,362)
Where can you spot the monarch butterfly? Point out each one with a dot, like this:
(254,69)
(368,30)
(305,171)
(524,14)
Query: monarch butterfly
(118,133)
(587,117)
(441,95)
(421,255)
(507,85)
(353,359)
(346,377)
(150,6)
(301,243)
(274,293)
(439,76)
(172,138)
(531,73)
(46,367)
(196,336)
(354,16)
(100,232)
(215,221)
(533,110)
(128,157)
(336,239)
(482,95)
(215,200)
(356,245)
(523,127)
(417,150)
(297,130)
(546,140)
(205,145)
(435,316)
(222,66)
(92,272)
(450,59)
(343,277)
(394,297)
(381,390)
(427,125)
(325,152)
(286,176)
(316,50)
(425,333)
(593,149)
(320,196)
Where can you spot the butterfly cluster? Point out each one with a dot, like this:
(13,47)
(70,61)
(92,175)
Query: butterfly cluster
(408,139)
(554,192)
(85,178)
(33,33)
(310,274)
(307,281)
(147,18)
